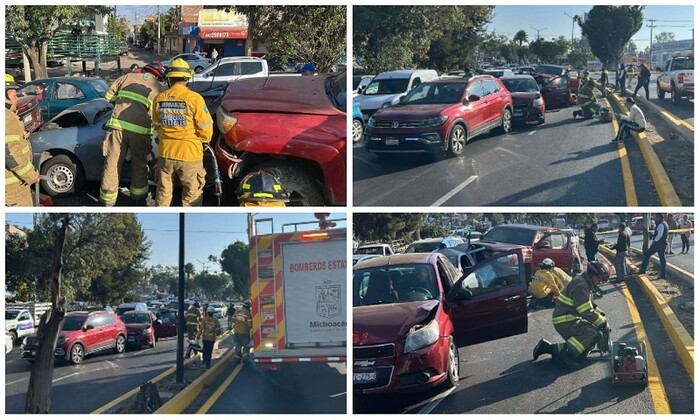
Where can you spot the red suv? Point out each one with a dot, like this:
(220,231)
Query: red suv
(140,329)
(411,313)
(441,114)
(83,333)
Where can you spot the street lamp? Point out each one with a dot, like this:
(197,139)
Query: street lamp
(538,31)
(573,20)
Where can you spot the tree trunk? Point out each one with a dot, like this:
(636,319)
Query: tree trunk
(34,56)
(39,391)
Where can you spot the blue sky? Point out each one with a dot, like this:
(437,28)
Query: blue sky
(206,233)
(510,19)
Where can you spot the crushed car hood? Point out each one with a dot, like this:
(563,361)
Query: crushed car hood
(379,324)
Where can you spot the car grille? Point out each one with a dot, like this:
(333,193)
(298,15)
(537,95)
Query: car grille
(133,336)
(373,352)
(399,124)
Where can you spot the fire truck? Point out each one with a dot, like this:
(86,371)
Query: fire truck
(298,292)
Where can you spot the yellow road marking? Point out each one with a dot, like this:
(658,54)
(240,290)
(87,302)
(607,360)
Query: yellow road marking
(627,179)
(656,386)
(215,396)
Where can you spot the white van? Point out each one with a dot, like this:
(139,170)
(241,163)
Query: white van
(228,69)
(389,87)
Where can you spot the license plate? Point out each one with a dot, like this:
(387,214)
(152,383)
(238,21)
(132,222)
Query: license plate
(517,113)
(27,118)
(131,339)
(391,141)
(364,377)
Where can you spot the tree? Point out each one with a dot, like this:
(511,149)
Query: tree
(33,26)
(662,37)
(579,58)
(213,285)
(387,226)
(520,37)
(149,31)
(609,29)
(631,49)
(118,27)
(548,51)
(235,261)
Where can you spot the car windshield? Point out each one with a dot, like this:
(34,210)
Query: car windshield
(9,315)
(521,85)
(423,247)
(554,70)
(386,86)
(336,88)
(436,93)
(369,250)
(124,309)
(494,73)
(683,64)
(136,318)
(510,235)
(394,283)
(74,322)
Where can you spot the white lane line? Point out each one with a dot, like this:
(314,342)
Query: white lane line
(337,395)
(65,377)
(111,365)
(397,187)
(431,403)
(531,132)
(371,164)
(454,191)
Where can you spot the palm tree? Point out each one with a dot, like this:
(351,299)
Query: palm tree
(520,37)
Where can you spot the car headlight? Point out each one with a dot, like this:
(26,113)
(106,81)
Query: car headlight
(61,341)
(537,102)
(147,331)
(370,123)
(435,122)
(422,337)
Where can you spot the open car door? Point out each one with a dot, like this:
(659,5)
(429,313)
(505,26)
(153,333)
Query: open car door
(557,246)
(490,300)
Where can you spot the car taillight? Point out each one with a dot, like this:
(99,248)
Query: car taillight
(224,120)
(681,76)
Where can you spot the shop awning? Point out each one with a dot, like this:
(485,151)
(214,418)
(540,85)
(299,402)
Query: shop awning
(218,32)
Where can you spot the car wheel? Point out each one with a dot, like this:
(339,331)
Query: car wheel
(541,120)
(302,188)
(457,140)
(661,94)
(65,176)
(13,336)
(506,121)
(77,354)
(357,130)
(120,345)
(277,69)
(198,69)
(153,343)
(453,365)
(675,96)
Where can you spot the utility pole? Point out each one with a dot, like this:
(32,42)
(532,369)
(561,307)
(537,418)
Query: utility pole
(158,48)
(573,20)
(538,31)
(651,39)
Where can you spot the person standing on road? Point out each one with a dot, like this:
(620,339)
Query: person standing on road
(621,247)
(643,80)
(591,242)
(184,125)
(685,236)
(634,121)
(129,129)
(193,317)
(658,246)
(672,225)
(208,330)
(576,318)
(214,54)
(587,101)
(20,173)
(621,78)
(242,324)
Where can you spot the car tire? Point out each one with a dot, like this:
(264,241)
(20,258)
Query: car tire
(541,120)
(675,96)
(120,345)
(358,129)
(13,336)
(65,176)
(457,140)
(453,365)
(302,188)
(506,121)
(77,354)
(661,94)
(153,344)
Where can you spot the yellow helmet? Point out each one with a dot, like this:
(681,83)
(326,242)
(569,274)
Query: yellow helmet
(10,82)
(179,68)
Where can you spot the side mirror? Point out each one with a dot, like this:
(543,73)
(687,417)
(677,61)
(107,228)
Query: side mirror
(462,295)
(359,89)
(158,322)
(474,98)
(544,245)
(465,101)
(402,98)
(88,327)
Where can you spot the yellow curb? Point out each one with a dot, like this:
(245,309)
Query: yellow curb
(627,178)
(671,118)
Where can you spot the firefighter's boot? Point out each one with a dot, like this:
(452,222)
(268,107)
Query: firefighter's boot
(543,347)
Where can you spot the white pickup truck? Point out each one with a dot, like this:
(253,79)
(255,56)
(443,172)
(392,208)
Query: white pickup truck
(19,323)
(375,249)
(677,79)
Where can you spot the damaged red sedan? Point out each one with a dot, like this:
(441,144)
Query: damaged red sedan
(412,312)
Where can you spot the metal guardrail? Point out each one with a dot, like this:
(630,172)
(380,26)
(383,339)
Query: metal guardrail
(66,46)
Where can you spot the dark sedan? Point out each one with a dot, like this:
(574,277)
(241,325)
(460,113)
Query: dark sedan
(528,102)
(60,93)
(166,324)
(558,84)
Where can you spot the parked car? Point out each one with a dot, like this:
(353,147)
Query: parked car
(29,112)
(360,83)
(528,102)
(358,124)
(379,249)
(131,306)
(140,329)
(525,70)
(9,342)
(61,93)
(83,333)
(389,87)
(361,257)
(123,48)
(412,312)
(441,115)
(498,72)
(68,149)
(677,79)
(217,75)
(219,309)
(557,85)
(294,127)
(433,244)
(603,224)
(197,62)
(166,323)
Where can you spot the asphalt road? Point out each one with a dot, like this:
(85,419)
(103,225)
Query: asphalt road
(682,110)
(565,162)
(500,377)
(86,387)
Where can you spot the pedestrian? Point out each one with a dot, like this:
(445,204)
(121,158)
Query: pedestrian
(643,80)
(20,173)
(621,77)
(308,69)
(77,30)
(576,319)
(242,324)
(587,101)
(685,235)
(214,55)
(634,121)
(672,225)
(129,129)
(184,124)
(591,241)
(193,317)
(209,328)
(261,189)
(657,246)
(621,247)
(546,285)
(604,79)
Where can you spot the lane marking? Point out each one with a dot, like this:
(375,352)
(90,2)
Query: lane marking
(454,191)
(337,395)
(656,386)
(531,132)
(215,396)
(627,179)
(397,187)
(431,403)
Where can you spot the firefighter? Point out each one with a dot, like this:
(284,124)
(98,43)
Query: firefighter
(261,188)
(184,124)
(576,318)
(209,328)
(242,324)
(129,128)
(20,173)
(543,288)
(587,101)
(193,317)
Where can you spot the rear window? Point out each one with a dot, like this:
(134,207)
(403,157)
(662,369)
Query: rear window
(100,86)
(394,283)
(521,85)
(369,250)
(136,318)
(516,236)
(423,247)
(386,87)
(73,323)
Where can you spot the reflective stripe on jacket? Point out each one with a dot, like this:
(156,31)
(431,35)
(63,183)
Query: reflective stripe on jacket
(133,96)
(193,316)
(575,303)
(18,152)
(543,284)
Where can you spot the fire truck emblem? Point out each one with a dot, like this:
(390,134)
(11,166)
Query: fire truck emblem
(328,303)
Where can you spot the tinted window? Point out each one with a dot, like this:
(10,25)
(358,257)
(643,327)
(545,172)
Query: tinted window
(493,275)
(73,323)
(370,250)
(224,70)
(423,247)
(436,93)
(10,315)
(251,67)
(415,82)
(24,316)
(386,87)
(521,85)
(136,318)
(510,235)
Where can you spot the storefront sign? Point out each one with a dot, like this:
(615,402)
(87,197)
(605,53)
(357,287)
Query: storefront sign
(223,33)
(216,17)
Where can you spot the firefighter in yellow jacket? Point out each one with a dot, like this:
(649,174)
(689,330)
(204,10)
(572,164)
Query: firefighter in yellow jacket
(242,324)
(129,128)
(184,124)
(19,170)
(544,288)
(576,318)
(209,328)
